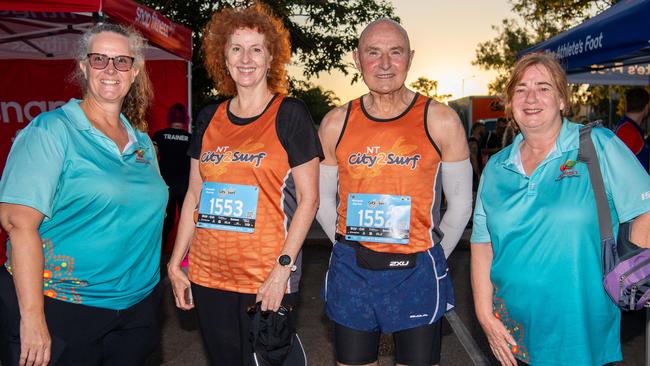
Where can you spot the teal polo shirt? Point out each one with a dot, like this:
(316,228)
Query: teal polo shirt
(103,208)
(546,268)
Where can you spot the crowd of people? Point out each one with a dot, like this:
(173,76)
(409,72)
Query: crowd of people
(84,202)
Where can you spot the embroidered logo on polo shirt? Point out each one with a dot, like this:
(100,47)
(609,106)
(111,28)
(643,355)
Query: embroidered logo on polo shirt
(139,156)
(567,170)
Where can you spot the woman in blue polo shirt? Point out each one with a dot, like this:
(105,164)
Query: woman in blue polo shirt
(536,268)
(83,202)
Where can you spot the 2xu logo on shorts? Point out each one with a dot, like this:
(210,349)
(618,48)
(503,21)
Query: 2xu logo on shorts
(394,264)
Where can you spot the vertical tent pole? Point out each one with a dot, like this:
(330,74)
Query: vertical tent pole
(647,335)
(609,110)
(189,95)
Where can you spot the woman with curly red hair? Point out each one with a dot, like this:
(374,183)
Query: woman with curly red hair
(253,181)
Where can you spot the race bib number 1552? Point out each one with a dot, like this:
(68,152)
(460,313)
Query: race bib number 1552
(381,218)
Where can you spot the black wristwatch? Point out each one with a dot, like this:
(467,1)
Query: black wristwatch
(285,261)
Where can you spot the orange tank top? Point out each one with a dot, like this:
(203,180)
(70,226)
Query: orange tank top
(392,157)
(250,155)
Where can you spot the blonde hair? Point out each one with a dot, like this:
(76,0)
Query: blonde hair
(137,100)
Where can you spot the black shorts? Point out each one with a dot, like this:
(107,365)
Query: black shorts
(225,325)
(84,335)
(418,346)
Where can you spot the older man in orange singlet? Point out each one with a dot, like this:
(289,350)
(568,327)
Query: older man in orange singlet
(389,155)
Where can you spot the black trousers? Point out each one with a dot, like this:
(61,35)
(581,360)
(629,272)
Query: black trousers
(84,335)
(225,325)
(174,204)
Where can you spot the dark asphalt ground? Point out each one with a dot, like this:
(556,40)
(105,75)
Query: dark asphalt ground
(181,343)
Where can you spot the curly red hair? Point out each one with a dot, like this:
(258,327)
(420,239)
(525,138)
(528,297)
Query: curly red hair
(260,18)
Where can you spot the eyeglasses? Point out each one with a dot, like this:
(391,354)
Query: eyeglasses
(99,61)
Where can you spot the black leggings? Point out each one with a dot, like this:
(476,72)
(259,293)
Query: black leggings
(84,335)
(225,325)
(416,346)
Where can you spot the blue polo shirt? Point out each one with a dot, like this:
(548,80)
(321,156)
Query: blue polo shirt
(103,208)
(546,268)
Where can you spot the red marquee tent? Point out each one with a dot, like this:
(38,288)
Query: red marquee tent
(37,43)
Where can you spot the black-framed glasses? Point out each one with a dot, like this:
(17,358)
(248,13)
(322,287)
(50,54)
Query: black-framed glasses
(99,61)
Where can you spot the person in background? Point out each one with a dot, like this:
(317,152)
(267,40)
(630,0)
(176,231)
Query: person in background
(509,134)
(475,153)
(83,202)
(389,155)
(254,180)
(629,129)
(494,139)
(172,144)
(535,245)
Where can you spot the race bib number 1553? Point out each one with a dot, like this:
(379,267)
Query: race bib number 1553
(231,207)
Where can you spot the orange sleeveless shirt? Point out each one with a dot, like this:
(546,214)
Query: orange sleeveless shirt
(392,156)
(250,154)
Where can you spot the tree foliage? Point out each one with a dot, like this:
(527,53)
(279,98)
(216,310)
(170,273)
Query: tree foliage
(318,101)
(500,53)
(322,31)
(429,88)
(543,19)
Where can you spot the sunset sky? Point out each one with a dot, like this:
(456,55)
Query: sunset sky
(444,35)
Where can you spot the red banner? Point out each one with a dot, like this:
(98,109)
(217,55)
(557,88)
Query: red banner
(29,88)
(169,80)
(153,26)
(55,6)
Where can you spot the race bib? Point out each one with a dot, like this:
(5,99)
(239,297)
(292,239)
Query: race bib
(378,218)
(230,207)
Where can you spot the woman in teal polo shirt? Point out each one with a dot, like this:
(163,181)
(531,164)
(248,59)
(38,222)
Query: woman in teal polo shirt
(536,268)
(83,203)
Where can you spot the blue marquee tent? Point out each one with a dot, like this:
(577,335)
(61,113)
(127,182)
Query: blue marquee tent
(612,48)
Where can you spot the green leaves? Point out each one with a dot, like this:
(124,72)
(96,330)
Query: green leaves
(318,101)
(429,88)
(542,19)
(322,31)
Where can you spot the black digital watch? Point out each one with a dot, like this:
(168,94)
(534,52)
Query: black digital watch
(285,261)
